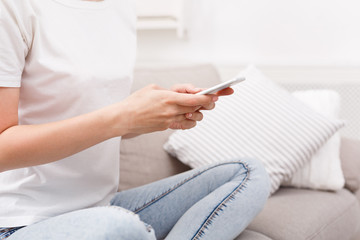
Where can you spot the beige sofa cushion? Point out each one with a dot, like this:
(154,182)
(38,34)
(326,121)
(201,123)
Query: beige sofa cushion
(287,215)
(143,160)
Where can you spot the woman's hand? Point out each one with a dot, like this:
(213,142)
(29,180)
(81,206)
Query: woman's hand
(190,89)
(154,109)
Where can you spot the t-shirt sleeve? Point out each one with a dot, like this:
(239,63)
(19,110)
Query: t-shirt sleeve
(15,40)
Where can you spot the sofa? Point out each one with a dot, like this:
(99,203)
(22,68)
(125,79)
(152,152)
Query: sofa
(289,214)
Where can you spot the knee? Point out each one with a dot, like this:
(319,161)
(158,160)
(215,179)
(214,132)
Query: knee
(119,223)
(258,177)
(250,171)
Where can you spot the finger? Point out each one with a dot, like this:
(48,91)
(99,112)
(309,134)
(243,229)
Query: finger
(194,100)
(180,118)
(184,109)
(184,124)
(210,106)
(187,124)
(185,88)
(196,116)
(225,92)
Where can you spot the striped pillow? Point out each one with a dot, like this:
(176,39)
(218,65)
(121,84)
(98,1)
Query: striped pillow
(261,120)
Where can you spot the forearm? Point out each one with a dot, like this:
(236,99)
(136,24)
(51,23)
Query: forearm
(30,145)
(147,110)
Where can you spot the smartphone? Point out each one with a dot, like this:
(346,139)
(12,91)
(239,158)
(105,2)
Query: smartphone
(222,86)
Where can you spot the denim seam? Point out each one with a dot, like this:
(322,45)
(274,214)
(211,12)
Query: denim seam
(155,199)
(222,204)
(7,234)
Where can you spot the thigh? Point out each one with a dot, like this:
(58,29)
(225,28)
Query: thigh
(91,224)
(163,203)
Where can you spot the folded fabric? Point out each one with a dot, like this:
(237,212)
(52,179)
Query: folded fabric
(260,120)
(324,171)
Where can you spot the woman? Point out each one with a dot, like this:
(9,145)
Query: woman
(65,77)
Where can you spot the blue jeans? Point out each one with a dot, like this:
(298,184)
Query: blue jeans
(213,202)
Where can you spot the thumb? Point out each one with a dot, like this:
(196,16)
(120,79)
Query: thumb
(185,88)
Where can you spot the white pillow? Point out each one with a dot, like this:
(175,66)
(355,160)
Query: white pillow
(324,171)
(261,120)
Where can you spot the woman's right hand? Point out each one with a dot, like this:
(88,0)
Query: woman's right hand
(155,109)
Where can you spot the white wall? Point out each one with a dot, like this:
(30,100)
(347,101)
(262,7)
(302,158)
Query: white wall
(267,32)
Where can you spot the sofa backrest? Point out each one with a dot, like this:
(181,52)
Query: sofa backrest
(143,159)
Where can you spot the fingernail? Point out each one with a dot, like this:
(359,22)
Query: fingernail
(189,115)
(215,98)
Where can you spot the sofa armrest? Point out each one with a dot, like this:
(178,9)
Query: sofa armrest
(350,162)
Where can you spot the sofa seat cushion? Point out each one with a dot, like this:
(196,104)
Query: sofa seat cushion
(307,214)
(251,235)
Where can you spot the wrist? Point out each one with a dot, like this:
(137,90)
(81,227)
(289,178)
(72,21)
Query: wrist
(116,121)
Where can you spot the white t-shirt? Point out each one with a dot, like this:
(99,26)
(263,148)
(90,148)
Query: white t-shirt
(70,57)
